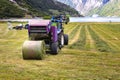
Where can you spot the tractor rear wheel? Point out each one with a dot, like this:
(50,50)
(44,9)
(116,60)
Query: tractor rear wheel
(61,40)
(65,39)
(54,48)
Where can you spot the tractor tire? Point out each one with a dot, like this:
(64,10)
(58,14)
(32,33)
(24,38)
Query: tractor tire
(54,48)
(66,22)
(33,50)
(66,39)
(61,40)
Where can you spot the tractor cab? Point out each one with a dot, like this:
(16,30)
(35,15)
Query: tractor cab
(58,24)
(57,21)
(61,18)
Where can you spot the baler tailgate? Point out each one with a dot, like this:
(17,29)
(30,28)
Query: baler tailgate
(41,29)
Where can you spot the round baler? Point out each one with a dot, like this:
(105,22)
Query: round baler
(43,33)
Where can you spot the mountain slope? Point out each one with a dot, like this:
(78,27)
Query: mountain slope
(7,9)
(20,8)
(47,7)
(83,6)
(91,7)
(110,9)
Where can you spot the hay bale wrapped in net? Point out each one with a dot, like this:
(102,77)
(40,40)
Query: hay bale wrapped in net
(33,50)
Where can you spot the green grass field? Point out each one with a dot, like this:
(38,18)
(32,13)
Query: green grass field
(93,54)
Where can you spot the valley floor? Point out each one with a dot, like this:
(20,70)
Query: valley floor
(93,53)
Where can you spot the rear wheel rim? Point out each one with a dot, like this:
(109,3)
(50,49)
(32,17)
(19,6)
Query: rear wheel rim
(62,40)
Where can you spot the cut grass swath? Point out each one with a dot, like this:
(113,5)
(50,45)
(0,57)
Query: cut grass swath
(69,27)
(76,37)
(72,34)
(101,45)
(90,44)
(106,35)
(112,29)
(80,44)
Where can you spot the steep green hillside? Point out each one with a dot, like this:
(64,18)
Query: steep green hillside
(33,8)
(7,9)
(46,7)
(110,9)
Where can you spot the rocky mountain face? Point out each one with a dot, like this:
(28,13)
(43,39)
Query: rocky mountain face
(91,7)
(111,9)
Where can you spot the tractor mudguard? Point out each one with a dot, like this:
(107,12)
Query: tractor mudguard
(54,34)
(59,31)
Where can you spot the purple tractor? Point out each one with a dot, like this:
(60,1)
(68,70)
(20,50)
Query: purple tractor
(44,35)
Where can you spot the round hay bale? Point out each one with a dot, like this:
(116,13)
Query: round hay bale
(33,50)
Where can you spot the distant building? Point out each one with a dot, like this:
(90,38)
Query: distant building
(95,15)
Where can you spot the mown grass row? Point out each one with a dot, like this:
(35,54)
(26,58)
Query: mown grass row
(112,30)
(10,34)
(112,27)
(109,36)
(100,44)
(68,26)
(90,46)
(80,44)
(72,34)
